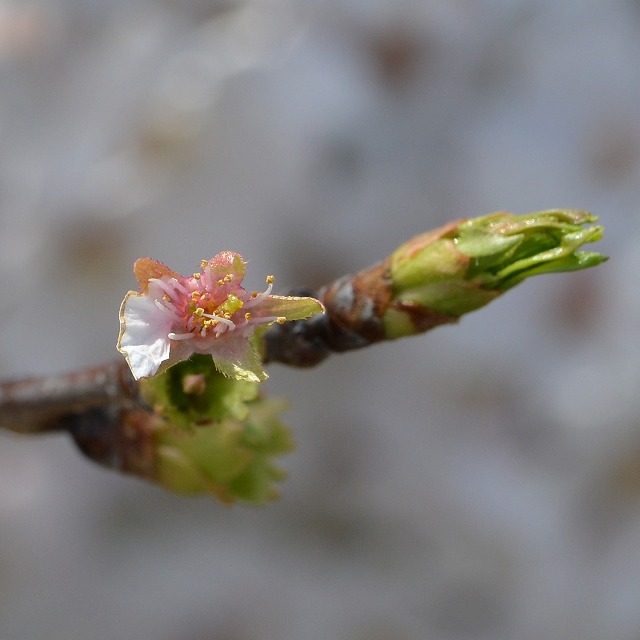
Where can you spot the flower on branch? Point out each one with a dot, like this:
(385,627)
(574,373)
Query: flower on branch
(208,312)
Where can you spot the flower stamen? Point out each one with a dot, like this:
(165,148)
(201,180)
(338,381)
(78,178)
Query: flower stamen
(256,297)
(181,336)
(226,321)
(168,310)
(165,286)
(182,289)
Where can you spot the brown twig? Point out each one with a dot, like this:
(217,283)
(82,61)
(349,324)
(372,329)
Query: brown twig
(354,306)
(39,405)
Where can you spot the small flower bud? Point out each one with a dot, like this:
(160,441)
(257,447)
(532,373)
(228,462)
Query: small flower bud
(464,265)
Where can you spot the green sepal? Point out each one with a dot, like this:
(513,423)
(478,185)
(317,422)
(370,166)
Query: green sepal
(291,307)
(230,459)
(218,396)
(215,434)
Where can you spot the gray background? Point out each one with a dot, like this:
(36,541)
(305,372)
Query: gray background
(482,481)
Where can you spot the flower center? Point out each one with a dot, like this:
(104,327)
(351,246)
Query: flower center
(206,315)
(206,307)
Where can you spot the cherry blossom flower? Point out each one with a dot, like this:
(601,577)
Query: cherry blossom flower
(208,312)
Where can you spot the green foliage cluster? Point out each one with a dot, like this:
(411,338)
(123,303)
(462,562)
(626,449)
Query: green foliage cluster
(215,434)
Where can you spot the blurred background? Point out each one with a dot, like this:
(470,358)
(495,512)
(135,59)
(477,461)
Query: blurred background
(482,481)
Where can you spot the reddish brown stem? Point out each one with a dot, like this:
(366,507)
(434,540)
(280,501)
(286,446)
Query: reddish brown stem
(355,305)
(38,405)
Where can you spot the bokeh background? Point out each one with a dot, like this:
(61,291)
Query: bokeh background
(482,481)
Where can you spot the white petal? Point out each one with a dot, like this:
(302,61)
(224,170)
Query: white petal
(144,338)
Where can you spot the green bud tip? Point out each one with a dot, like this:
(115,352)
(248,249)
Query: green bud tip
(466,264)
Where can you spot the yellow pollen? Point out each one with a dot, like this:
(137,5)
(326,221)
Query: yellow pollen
(196,276)
(204,263)
(228,278)
(271,279)
(247,316)
(281,320)
(254,294)
(220,283)
(199,311)
(166,297)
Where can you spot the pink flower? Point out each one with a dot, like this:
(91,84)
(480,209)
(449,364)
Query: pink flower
(209,312)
